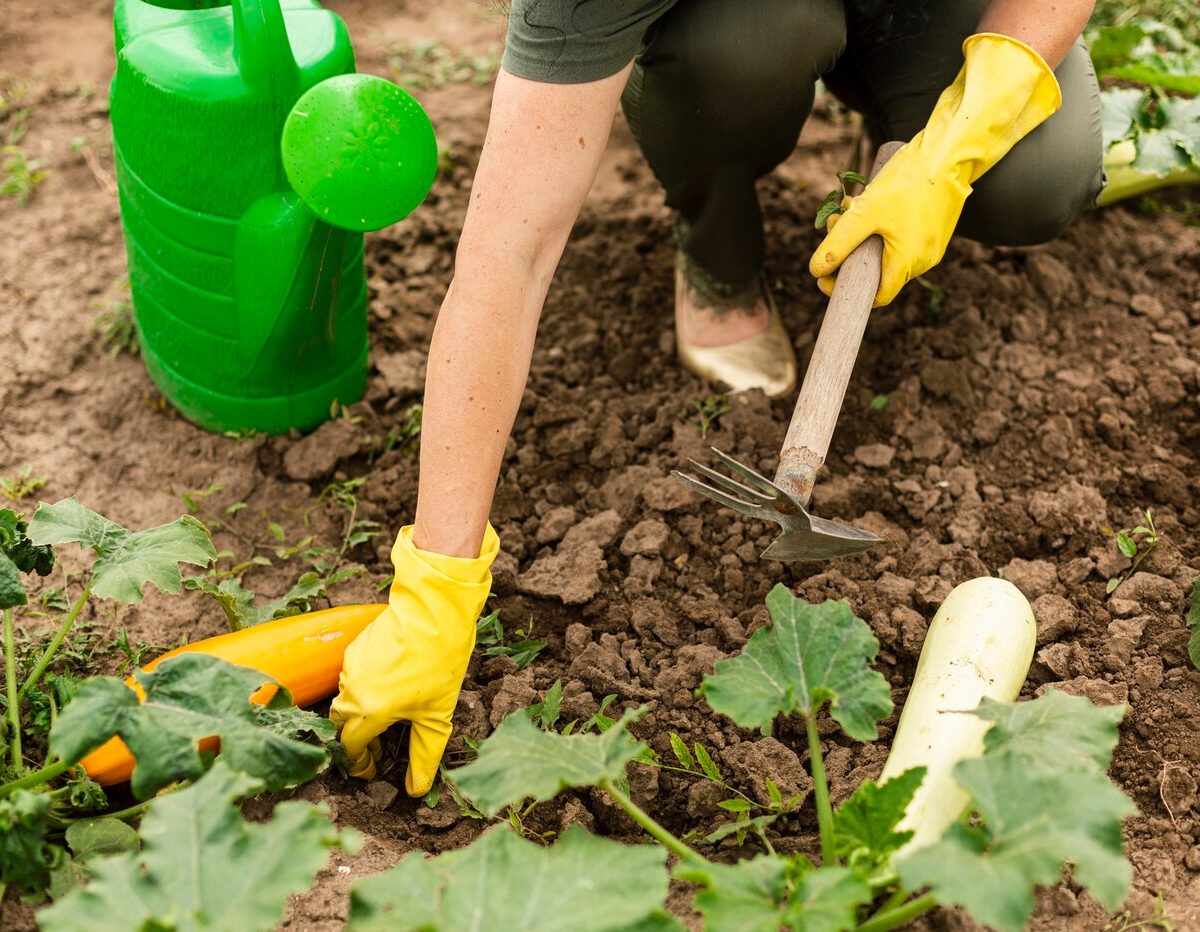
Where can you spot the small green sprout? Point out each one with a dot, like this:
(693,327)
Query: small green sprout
(832,203)
(709,409)
(1134,543)
(23,485)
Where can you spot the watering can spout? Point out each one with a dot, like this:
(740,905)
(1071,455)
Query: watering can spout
(359,154)
(287,266)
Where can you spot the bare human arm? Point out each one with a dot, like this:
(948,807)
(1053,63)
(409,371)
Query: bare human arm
(1049,28)
(540,156)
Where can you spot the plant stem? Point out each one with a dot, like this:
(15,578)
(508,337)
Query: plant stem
(653,829)
(894,918)
(131,813)
(59,636)
(10,686)
(892,901)
(816,764)
(36,778)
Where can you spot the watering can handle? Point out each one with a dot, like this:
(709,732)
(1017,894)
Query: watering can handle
(261,48)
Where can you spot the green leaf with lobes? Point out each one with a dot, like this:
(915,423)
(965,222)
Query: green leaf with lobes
(12,590)
(237,602)
(1042,805)
(125,560)
(769,892)
(16,545)
(18,555)
(1120,110)
(519,761)
(242,880)
(502,881)
(189,698)
(89,839)
(25,857)
(808,656)
(1055,731)
(864,826)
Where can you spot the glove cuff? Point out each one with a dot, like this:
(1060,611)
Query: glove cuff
(1021,68)
(408,559)
(1003,91)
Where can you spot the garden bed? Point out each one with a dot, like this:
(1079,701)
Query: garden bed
(998,423)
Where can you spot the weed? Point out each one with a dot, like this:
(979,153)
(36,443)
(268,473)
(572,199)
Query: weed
(135,654)
(1188,214)
(117,329)
(404,436)
(191,497)
(710,411)
(937,300)
(1157,920)
(23,485)
(489,634)
(832,202)
(447,162)
(19,176)
(878,402)
(1134,543)
(424,65)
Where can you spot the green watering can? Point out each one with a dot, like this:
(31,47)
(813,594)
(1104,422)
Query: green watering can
(250,160)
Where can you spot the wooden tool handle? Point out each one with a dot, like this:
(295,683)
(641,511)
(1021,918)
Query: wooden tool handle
(832,361)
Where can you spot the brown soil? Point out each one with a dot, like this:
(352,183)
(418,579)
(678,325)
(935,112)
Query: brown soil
(1056,392)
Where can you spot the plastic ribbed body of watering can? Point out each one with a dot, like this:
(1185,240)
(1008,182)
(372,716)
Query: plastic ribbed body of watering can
(250,160)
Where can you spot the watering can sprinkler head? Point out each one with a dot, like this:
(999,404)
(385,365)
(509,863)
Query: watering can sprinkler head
(359,154)
(359,151)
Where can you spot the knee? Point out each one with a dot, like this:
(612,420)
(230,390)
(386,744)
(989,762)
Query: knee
(1029,202)
(1051,176)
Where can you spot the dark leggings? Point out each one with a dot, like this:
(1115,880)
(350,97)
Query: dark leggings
(722,88)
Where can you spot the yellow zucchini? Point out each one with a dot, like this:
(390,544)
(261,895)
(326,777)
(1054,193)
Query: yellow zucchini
(303,652)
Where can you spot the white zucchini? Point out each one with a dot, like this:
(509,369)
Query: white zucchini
(980,643)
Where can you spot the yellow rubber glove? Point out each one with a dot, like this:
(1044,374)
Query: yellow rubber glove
(1003,91)
(409,664)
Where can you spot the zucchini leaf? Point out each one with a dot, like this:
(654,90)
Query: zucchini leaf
(1120,110)
(1146,52)
(1057,730)
(125,560)
(518,761)
(18,555)
(242,881)
(809,655)
(1044,801)
(769,892)
(501,881)
(864,826)
(189,698)
(237,602)
(89,839)
(25,857)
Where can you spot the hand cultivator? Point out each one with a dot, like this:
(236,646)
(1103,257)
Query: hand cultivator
(785,500)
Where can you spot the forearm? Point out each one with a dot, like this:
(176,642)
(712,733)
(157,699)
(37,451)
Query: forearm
(478,364)
(1050,29)
(539,160)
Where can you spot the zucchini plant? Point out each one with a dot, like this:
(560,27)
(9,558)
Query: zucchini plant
(55,828)
(1035,799)
(1151,118)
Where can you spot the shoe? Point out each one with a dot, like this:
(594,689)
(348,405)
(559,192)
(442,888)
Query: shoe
(766,360)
